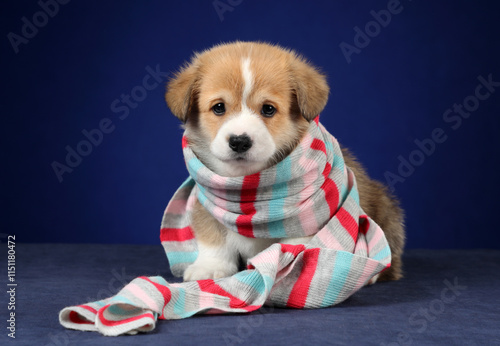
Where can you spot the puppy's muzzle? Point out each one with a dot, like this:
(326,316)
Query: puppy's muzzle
(241,143)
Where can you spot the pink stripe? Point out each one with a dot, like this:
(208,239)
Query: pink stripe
(327,237)
(306,216)
(218,182)
(190,202)
(309,178)
(139,293)
(306,141)
(308,221)
(368,272)
(360,244)
(220,203)
(206,300)
(218,213)
(176,207)
(376,237)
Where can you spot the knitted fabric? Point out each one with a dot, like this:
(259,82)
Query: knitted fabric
(310,192)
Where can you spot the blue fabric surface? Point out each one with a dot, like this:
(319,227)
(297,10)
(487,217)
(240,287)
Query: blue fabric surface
(419,309)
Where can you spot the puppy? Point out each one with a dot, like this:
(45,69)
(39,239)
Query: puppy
(245,106)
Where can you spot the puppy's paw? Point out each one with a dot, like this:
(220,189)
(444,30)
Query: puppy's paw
(372,280)
(209,270)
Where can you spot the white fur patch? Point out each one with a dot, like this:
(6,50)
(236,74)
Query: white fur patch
(215,262)
(248,79)
(212,263)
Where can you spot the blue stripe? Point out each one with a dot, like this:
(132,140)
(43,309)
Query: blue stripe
(385,252)
(176,257)
(121,299)
(194,165)
(277,202)
(159,280)
(99,302)
(329,146)
(269,282)
(116,309)
(202,198)
(276,229)
(252,279)
(341,269)
(284,170)
(338,162)
(354,194)
(180,303)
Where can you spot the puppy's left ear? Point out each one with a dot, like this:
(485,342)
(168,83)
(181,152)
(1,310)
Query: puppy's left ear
(310,87)
(181,90)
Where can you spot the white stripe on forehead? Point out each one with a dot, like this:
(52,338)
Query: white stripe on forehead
(248,79)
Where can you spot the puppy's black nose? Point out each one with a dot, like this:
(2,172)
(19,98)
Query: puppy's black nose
(240,143)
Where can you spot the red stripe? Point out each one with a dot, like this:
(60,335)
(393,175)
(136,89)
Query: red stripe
(89,308)
(348,222)
(248,196)
(329,186)
(364,224)
(300,290)
(176,234)
(184,142)
(293,249)
(164,290)
(110,323)
(251,181)
(316,120)
(74,317)
(318,145)
(330,189)
(210,286)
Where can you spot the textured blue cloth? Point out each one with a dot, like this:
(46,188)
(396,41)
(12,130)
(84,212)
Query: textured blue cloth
(52,276)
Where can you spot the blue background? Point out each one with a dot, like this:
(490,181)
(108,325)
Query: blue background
(65,78)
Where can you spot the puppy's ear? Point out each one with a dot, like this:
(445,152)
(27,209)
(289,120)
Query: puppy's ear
(181,90)
(310,88)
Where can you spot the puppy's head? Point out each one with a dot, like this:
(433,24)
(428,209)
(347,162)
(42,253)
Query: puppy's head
(246,105)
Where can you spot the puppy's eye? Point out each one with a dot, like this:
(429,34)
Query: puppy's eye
(219,109)
(268,111)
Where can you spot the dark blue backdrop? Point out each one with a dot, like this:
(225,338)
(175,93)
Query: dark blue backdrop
(75,66)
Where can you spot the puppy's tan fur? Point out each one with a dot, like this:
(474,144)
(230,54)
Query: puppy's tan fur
(299,92)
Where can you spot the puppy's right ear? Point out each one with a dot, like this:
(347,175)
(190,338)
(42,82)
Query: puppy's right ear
(181,90)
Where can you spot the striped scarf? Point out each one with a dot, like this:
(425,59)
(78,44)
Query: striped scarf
(310,192)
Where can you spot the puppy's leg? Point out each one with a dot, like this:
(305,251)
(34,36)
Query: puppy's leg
(216,259)
(212,263)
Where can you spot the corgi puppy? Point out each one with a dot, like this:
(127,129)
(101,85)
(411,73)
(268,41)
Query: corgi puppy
(245,106)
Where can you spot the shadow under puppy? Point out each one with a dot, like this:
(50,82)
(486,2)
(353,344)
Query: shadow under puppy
(246,106)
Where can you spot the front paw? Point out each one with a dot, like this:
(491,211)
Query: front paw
(209,270)
(372,280)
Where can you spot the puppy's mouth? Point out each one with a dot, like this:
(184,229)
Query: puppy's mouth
(241,158)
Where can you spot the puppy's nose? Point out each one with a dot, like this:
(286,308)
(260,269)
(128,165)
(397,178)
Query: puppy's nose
(240,143)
